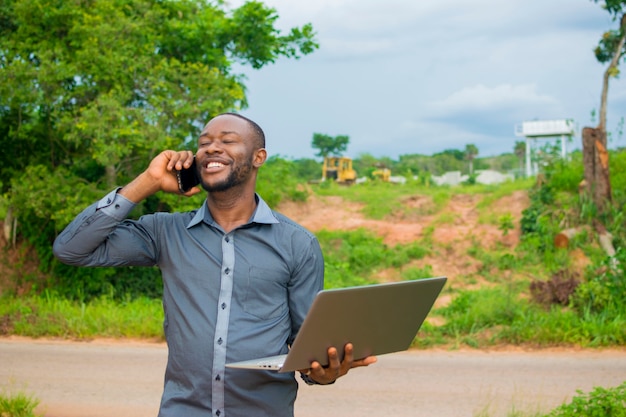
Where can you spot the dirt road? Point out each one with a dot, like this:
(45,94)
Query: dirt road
(101,379)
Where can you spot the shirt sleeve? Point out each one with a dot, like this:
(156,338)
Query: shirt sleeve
(100,236)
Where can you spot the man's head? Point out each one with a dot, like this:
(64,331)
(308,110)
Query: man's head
(231,148)
(258,133)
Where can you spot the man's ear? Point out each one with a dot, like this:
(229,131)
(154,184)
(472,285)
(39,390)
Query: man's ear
(260,156)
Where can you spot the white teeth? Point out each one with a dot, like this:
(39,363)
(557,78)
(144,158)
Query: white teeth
(214,165)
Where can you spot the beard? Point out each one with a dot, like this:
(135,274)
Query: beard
(238,175)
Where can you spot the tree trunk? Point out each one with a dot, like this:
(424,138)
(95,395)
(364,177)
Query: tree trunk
(111,176)
(596,165)
(562,239)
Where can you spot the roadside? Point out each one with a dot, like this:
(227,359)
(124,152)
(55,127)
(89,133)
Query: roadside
(120,378)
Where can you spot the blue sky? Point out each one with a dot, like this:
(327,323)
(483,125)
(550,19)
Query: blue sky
(406,76)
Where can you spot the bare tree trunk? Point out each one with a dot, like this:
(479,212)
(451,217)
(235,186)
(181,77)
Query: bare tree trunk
(596,164)
(111,176)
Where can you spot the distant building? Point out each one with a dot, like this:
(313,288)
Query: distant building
(535,130)
(482,177)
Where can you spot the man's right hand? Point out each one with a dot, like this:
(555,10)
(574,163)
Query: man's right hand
(160,176)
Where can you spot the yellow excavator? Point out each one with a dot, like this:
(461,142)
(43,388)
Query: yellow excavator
(339,169)
(384,174)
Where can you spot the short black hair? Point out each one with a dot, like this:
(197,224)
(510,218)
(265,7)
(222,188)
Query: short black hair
(259,135)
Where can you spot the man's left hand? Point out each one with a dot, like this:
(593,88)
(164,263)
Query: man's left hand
(336,368)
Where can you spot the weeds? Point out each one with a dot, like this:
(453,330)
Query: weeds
(17,405)
(601,402)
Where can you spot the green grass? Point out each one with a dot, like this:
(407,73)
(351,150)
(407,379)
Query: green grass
(17,404)
(382,200)
(53,316)
(499,315)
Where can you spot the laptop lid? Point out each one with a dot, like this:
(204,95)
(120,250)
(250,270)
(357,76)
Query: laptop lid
(376,319)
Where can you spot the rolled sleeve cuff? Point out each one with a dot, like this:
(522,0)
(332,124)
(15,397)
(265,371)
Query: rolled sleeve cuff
(115,205)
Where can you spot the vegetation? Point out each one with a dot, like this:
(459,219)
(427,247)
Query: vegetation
(78,117)
(599,402)
(536,296)
(327,145)
(17,404)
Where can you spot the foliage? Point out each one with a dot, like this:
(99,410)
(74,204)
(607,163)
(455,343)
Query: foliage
(93,90)
(307,169)
(277,182)
(328,145)
(505,223)
(17,404)
(600,402)
(363,253)
(470,154)
(608,44)
(52,315)
(605,291)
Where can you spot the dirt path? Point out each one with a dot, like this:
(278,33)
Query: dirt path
(103,379)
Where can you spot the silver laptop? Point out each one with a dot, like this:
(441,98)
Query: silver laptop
(376,319)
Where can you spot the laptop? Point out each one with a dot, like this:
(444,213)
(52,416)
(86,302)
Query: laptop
(376,319)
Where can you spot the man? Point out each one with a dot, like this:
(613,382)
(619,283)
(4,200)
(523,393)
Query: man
(238,278)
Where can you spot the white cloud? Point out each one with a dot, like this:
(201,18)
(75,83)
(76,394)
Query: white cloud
(422,76)
(481,97)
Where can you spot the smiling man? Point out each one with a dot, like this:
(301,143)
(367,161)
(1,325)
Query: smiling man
(238,277)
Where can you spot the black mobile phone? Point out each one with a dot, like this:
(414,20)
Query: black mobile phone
(188,177)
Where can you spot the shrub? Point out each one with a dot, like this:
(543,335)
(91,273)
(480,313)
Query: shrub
(605,289)
(601,402)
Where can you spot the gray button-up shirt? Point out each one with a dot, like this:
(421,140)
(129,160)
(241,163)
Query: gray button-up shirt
(227,297)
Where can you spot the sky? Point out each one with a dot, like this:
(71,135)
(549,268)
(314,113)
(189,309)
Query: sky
(419,77)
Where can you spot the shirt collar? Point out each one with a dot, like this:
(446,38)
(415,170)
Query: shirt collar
(262,214)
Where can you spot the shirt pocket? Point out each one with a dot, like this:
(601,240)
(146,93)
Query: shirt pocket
(266,295)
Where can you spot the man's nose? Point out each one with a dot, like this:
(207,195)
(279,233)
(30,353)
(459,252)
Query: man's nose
(214,147)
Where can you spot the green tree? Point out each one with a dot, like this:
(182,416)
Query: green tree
(329,145)
(520,151)
(470,153)
(307,169)
(92,90)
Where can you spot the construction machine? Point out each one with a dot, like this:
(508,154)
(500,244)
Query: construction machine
(338,168)
(384,174)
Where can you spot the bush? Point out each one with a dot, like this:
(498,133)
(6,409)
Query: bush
(601,402)
(604,291)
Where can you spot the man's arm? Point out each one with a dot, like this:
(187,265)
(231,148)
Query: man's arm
(97,236)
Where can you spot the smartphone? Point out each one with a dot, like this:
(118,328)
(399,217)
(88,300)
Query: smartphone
(188,177)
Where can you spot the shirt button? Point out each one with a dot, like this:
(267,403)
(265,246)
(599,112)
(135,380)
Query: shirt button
(220,341)
(227,271)
(218,413)
(218,378)
(223,306)
(227,239)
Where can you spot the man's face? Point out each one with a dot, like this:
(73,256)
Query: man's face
(226,153)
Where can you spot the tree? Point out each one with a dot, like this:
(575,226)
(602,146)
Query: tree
(92,89)
(470,153)
(328,145)
(99,86)
(595,155)
(520,151)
